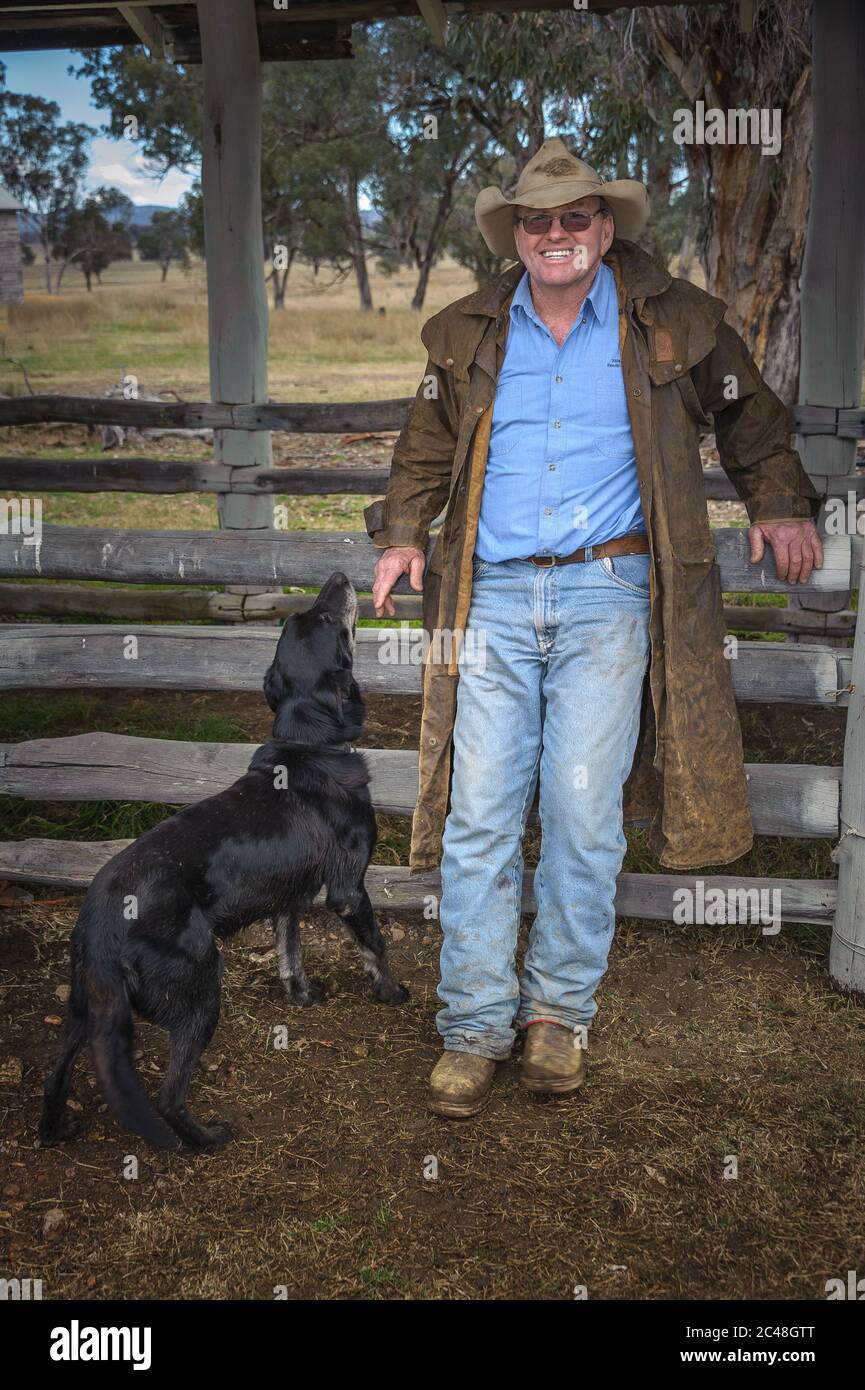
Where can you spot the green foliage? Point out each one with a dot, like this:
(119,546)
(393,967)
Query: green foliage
(166,240)
(95,234)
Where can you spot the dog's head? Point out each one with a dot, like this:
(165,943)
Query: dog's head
(309,684)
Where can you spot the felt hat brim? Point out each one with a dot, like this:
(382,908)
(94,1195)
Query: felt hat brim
(572,178)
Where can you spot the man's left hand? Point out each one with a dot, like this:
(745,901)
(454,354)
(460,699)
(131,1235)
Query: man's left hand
(796,546)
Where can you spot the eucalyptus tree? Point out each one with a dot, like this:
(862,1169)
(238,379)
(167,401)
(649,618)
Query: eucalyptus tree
(43,163)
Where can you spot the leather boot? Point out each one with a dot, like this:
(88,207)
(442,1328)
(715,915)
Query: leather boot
(460,1084)
(552,1058)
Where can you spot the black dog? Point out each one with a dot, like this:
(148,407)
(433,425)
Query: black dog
(300,818)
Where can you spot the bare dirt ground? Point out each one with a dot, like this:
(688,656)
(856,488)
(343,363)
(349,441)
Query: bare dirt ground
(710,1045)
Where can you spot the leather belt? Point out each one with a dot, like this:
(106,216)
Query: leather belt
(637,543)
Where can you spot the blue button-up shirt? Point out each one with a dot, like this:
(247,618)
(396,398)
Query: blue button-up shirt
(561,471)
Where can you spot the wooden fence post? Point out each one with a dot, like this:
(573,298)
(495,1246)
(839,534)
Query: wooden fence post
(847,951)
(236,292)
(833,271)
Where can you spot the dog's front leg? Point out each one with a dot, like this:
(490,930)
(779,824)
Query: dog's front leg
(300,990)
(357,913)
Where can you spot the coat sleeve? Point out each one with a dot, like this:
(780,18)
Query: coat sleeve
(421,468)
(752,431)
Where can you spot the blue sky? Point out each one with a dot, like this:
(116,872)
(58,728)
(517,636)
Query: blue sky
(116,163)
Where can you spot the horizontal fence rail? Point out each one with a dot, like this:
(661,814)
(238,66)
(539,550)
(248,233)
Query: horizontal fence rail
(72,864)
(386,661)
(171,476)
(310,557)
(87,600)
(785,799)
(298,417)
(35,475)
(302,417)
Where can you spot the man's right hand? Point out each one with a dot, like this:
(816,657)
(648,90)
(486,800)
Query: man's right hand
(396,560)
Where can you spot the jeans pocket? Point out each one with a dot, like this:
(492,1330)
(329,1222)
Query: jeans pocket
(630,572)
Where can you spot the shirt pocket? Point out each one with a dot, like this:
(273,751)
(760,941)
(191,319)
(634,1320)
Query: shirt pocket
(508,424)
(612,424)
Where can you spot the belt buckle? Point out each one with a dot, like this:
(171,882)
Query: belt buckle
(540,566)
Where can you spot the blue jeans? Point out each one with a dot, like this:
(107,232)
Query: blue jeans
(551,677)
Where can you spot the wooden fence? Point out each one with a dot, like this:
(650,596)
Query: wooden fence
(788,800)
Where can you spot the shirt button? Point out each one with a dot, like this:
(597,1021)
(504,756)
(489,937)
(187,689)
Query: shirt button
(557,424)
(678,367)
(449,361)
(548,511)
(552,468)
(559,378)
(638,391)
(479,410)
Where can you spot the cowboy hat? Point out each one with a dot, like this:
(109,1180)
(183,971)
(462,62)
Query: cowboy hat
(551,178)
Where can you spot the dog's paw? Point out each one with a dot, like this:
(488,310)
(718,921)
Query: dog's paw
(219,1135)
(390,993)
(314,993)
(59,1130)
(209,1139)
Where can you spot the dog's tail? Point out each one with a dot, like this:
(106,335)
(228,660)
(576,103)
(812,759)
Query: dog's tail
(111,1033)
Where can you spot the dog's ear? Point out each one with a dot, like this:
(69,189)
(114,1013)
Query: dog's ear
(274,686)
(344,686)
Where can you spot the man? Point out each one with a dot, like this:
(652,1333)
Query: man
(558,420)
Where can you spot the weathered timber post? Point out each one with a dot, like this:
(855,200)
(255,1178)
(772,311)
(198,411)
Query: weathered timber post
(832,326)
(236,294)
(833,341)
(847,950)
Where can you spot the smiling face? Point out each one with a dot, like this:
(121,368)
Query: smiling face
(558,259)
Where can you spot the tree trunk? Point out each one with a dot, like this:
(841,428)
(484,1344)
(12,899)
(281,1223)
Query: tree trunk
(659,164)
(757,240)
(46,252)
(756,204)
(165,265)
(280,282)
(357,250)
(443,212)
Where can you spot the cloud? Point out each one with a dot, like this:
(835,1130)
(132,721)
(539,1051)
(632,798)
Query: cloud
(118,164)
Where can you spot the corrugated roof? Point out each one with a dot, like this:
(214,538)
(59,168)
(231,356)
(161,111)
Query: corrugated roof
(8,203)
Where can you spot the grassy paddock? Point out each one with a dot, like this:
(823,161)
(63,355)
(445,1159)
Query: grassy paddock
(322,347)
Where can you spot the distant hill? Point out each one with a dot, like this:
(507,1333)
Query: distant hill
(142,216)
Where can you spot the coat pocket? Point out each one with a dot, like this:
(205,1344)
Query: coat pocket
(692,401)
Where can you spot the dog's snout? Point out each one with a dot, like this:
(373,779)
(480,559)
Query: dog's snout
(338,596)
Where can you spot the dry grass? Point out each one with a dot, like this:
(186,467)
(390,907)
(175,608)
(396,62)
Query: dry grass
(322,347)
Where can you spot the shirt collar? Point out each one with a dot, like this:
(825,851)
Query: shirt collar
(599,296)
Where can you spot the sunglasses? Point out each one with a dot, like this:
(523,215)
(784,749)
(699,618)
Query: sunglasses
(538,223)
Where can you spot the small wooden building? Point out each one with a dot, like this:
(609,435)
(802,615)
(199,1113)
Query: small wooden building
(11,266)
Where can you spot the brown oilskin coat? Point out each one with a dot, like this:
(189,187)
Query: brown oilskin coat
(679,357)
